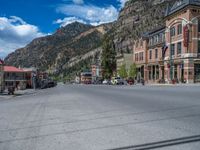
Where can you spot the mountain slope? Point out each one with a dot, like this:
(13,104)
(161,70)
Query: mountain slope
(53,51)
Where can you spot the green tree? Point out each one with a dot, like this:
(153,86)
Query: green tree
(132,71)
(123,72)
(108,57)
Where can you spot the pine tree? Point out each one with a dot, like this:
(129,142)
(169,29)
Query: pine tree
(108,57)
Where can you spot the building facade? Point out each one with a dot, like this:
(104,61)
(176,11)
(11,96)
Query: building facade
(172,53)
(14,77)
(1,76)
(96,72)
(86,77)
(124,59)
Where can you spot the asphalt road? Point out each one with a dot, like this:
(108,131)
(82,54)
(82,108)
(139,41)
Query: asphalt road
(79,117)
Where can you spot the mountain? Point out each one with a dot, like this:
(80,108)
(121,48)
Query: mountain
(74,47)
(52,52)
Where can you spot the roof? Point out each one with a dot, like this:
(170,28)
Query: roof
(1,62)
(153,32)
(178,5)
(12,69)
(156,31)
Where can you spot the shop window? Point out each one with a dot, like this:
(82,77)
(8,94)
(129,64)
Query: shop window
(179,29)
(172,49)
(179,48)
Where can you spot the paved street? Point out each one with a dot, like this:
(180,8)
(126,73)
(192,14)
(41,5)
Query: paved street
(81,117)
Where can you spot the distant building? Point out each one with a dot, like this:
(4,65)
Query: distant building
(29,73)
(96,72)
(14,77)
(86,77)
(124,59)
(1,76)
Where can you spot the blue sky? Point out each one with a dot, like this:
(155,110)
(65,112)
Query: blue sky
(23,20)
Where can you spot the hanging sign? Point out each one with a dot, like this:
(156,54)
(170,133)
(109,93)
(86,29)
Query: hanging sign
(185,36)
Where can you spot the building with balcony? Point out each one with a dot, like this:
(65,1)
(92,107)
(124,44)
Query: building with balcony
(14,77)
(172,53)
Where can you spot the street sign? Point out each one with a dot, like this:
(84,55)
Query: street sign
(185,36)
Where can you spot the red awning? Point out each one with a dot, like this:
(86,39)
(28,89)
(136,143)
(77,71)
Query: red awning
(12,69)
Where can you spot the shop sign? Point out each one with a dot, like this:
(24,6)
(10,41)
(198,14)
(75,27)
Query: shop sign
(185,36)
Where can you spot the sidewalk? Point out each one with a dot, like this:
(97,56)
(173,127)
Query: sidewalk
(5,95)
(178,84)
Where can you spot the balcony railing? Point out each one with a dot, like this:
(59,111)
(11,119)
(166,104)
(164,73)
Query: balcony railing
(15,79)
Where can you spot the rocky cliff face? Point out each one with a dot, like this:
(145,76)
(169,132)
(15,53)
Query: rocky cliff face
(136,18)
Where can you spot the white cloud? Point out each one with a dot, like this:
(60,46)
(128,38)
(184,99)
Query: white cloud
(122,2)
(78,2)
(68,20)
(16,33)
(89,13)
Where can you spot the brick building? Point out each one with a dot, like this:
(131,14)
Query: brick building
(172,53)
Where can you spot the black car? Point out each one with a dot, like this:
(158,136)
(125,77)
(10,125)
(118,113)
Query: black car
(48,84)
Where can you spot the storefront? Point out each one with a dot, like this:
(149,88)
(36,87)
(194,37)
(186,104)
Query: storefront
(197,73)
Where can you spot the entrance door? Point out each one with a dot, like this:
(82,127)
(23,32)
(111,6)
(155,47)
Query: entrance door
(175,72)
(197,73)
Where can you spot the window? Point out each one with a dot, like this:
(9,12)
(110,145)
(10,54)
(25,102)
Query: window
(198,46)
(136,44)
(199,25)
(141,43)
(150,54)
(156,53)
(141,56)
(136,57)
(172,49)
(179,29)
(163,37)
(179,47)
(172,31)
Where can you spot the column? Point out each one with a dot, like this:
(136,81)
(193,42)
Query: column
(189,71)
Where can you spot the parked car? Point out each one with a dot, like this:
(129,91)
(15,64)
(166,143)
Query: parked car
(118,81)
(106,82)
(11,90)
(48,83)
(130,81)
